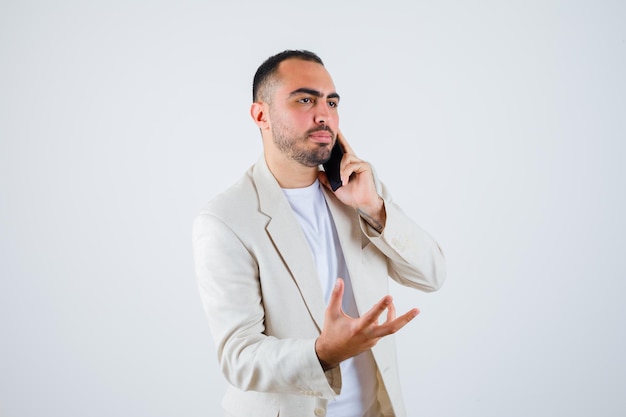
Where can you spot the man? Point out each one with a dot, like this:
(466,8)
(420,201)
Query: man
(294,276)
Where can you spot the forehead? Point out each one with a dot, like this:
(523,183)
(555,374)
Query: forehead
(296,73)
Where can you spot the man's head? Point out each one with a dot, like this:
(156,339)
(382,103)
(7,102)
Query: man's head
(295,106)
(265,76)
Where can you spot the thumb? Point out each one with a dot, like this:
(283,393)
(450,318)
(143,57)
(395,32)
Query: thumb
(336,298)
(321,175)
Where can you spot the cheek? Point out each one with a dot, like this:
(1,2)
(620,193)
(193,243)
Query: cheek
(334,123)
(290,118)
(300,120)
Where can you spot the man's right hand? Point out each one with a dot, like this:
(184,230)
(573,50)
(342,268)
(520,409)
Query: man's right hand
(344,337)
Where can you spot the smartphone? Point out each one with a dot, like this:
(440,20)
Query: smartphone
(331,167)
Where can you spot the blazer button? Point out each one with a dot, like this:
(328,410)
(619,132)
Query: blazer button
(320,412)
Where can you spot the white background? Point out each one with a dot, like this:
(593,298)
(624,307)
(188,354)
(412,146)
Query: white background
(498,126)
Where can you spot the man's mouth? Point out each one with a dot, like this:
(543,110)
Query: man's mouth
(321,136)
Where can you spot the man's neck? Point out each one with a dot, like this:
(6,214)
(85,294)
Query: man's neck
(290,173)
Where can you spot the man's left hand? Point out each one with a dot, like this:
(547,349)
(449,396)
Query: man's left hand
(358,189)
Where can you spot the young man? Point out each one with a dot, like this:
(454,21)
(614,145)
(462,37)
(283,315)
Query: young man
(294,276)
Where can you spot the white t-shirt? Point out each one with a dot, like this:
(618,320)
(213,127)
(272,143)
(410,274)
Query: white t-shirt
(358,374)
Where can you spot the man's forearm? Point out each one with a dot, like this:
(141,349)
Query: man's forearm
(375,215)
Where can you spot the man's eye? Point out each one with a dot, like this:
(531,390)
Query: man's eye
(305,100)
(333,103)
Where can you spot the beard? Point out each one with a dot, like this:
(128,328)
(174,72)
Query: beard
(298,148)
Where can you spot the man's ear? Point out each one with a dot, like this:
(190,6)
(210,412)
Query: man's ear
(258,111)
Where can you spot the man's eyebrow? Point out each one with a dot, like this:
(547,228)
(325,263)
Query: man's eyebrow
(312,92)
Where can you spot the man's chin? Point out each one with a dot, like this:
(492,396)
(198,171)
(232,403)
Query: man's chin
(314,157)
(313,161)
(324,156)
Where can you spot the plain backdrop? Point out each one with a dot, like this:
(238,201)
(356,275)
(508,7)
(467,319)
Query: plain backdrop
(499,126)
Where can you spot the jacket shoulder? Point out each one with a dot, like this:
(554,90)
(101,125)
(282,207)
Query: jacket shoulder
(238,206)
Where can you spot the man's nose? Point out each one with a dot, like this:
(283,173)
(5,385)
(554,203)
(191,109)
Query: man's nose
(322,113)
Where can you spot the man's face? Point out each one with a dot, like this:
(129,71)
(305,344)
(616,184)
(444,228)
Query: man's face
(303,112)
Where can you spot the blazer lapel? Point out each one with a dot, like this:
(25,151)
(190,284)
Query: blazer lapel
(351,239)
(287,236)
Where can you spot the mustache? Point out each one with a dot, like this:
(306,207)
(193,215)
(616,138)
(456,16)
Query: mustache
(321,129)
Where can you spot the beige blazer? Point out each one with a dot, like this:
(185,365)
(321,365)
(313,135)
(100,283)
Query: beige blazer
(264,302)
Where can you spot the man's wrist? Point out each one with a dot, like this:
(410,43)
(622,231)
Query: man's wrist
(375,215)
(326,366)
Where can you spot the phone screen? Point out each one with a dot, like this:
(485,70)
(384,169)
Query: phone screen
(331,167)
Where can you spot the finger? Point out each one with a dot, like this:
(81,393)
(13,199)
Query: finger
(372,315)
(344,143)
(323,178)
(336,297)
(397,324)
(391,312)
(352,165)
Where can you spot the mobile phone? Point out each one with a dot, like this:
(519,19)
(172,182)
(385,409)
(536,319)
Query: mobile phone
(331,167)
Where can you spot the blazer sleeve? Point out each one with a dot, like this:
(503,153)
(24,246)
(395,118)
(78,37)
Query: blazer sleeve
(231,295)
(414,258)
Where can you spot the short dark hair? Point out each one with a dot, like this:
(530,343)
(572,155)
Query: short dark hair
(269,68)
